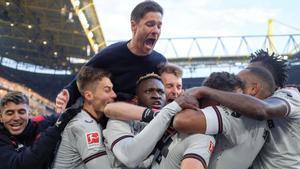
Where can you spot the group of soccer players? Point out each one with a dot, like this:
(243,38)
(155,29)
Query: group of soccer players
(241,121)
(127,109)
(233,121)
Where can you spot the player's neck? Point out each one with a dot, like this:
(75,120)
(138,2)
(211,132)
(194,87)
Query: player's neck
(90,110)
(132,46)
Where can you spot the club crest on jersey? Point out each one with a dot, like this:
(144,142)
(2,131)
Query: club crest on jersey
(211,146)
(92,139)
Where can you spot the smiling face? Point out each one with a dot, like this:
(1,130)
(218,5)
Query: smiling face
(151,94)
(146,32)
(15,117)
(173,85)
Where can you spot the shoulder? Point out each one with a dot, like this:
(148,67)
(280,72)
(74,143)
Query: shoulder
(114,48)
(4,139)
(38,124)
(158,56)
(288,93)
(45,121)
(219,110)
(82,122)
(108,54)
(120,44)
(219,119)
(116,126)
(114,122)
(291,97)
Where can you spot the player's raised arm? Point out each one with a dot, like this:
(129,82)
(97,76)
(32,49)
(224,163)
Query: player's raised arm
(252,107)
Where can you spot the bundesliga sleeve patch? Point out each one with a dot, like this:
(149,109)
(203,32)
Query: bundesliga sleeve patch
(92,139)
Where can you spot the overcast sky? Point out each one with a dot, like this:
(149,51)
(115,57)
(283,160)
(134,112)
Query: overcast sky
(190,18)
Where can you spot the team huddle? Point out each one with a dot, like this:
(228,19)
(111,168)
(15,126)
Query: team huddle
(126,109)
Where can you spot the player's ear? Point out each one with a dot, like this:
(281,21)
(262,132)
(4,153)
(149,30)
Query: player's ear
(255,88)
(88,95)
(133,26)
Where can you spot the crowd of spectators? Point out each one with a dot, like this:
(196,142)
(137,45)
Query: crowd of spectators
(38,103)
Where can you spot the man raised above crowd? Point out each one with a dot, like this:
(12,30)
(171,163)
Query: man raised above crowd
(127,61)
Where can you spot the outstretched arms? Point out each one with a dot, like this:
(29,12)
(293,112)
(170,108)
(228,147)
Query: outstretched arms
(246,105)
(132,149)
(124,111)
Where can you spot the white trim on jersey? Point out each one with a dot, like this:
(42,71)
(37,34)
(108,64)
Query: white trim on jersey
(288,106)
(213,120)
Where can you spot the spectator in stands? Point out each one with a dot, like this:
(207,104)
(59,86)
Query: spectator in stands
(28,143)
(82,141)
(127,61)
(171,75)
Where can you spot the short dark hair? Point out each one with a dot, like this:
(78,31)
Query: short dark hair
(143,8)
(148,76)
(274,63)
(172,69)
(223,81)
(15,97)
(144,78)
(88,75)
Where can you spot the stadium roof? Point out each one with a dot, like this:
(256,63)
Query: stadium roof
(58,35)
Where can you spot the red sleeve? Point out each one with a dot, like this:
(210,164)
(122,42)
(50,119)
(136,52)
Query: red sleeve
(38,118)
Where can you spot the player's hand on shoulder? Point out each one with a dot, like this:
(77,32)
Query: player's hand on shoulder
(186,101)
(62,100)
(69,113)
(197,92)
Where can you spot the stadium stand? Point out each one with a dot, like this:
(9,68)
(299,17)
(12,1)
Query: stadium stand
(47,85)
(38,104)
